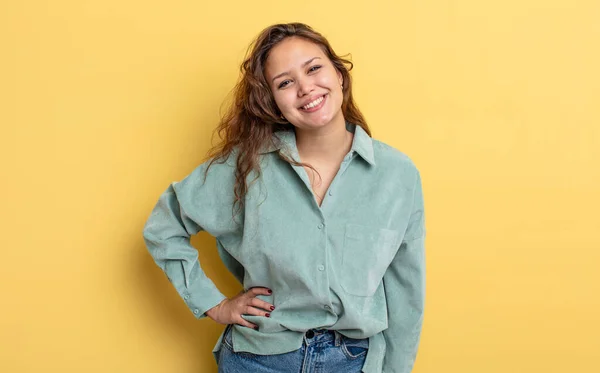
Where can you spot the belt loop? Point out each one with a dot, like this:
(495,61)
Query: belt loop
(338,338)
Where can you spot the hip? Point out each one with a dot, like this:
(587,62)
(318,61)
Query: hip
(322,350)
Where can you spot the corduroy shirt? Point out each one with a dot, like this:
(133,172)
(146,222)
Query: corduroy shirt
(355,264)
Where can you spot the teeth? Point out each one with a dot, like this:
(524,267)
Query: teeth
(313,104)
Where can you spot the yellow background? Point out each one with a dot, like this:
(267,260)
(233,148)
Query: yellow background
(104,103)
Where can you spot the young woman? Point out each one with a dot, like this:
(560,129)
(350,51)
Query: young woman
(321,224)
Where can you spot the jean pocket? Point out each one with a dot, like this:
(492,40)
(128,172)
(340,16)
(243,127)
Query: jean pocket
(228,343)
(354,348)
(368,251)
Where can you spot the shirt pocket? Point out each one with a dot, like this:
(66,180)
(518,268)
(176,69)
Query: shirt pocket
(367,253)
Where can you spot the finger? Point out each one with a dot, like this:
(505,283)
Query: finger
(259,291)
(243,322)
(259,303)
(256,312)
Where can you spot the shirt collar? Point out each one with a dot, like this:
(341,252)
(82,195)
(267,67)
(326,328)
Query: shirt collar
(362,143)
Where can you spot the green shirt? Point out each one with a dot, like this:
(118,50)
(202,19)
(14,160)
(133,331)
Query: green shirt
(356,264)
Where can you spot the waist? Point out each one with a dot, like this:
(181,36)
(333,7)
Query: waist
(321,335)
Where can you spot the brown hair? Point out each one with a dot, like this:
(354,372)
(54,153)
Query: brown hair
(253,116)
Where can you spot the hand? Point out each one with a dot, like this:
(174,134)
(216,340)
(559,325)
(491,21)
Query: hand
(230,311)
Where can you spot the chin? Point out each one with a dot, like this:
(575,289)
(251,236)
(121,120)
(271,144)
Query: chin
(314,125)
(317,122)
(320,122)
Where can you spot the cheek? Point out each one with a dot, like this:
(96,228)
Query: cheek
(330,80)
(285,100)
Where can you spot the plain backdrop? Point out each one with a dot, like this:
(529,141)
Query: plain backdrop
(104,103)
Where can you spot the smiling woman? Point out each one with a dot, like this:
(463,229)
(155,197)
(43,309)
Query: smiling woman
(333,270)
(310,94)
(288,68)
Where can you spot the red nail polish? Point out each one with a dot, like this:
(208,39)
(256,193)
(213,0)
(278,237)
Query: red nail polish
(268,315)
(270,291)
(256,327)
(272,308)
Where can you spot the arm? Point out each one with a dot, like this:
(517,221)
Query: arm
(183,210)
(404,284)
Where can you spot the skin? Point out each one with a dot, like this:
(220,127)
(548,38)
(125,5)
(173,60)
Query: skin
(321,138)
(230,311)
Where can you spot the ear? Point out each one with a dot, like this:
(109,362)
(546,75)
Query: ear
(340,77)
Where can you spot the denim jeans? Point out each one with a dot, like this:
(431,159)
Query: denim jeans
(323,351)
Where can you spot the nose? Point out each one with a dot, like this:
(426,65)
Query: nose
(305,86)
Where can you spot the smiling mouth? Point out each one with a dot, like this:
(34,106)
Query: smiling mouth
(315,105)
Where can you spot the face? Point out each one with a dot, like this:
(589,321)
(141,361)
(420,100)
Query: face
(305,84)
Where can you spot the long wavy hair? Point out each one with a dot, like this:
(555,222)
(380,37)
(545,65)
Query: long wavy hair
(253,117)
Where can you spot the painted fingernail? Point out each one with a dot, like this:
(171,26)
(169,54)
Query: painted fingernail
(268,315)
(272,308)
(256,327)
(270,291)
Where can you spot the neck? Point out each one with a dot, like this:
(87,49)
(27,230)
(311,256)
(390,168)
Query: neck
(328,144)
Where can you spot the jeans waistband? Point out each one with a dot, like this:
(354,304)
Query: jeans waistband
(322,335)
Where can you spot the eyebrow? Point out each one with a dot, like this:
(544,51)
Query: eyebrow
(287,72)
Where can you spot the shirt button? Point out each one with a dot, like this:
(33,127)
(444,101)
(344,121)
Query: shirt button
(330,193)
(186,297)
(320,226)
(327,307)
(321,268)
(196,311)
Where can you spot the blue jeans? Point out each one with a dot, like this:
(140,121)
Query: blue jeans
(322,351)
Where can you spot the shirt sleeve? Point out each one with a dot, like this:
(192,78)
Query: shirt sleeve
(184,209)
(404,285)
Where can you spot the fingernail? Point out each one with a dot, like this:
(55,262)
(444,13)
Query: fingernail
(272,308)
(270,291)
(268,315)
(256,327)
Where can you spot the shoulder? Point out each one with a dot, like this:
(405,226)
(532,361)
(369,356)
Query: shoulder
(210,173)
(394,161)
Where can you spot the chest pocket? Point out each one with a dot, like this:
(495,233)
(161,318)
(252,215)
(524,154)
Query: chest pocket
(367,253)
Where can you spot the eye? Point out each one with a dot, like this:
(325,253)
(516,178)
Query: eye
(282,85)
(314,68)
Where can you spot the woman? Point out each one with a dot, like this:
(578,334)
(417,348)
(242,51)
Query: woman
(323,225)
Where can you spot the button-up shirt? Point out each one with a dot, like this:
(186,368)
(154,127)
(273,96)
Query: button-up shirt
(355,264)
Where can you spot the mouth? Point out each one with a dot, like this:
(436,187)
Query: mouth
(315,105)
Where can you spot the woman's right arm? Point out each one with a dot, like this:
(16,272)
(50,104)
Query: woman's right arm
(183,210)
(167,235)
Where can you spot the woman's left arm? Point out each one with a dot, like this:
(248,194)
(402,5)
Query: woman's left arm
(404,285)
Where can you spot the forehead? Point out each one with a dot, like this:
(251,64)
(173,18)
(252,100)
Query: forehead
(291,53)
